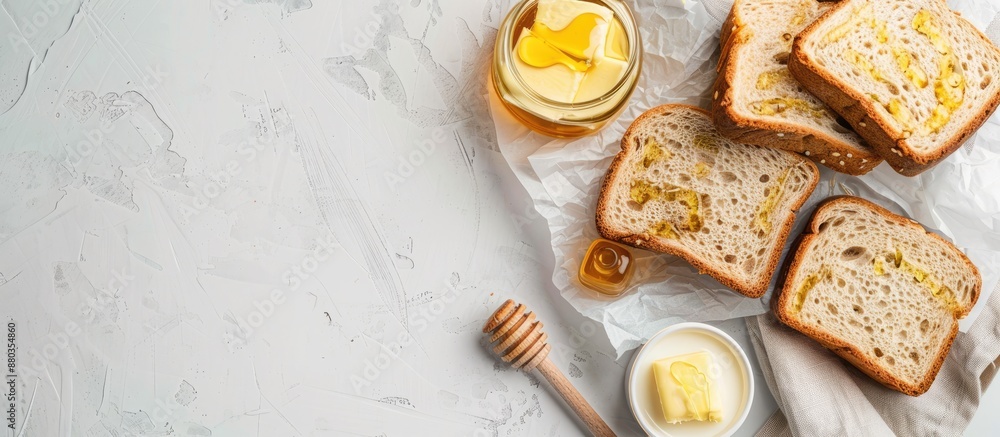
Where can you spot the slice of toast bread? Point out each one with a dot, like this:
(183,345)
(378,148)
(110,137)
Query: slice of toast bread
(913,78)
(757,101)
(878,290)
(678,187)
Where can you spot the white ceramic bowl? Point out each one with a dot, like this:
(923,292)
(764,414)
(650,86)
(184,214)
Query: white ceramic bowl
(735,379)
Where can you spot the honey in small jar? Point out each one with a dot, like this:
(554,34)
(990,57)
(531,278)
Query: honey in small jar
(607,267)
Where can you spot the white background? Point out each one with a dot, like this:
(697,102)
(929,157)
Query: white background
(167,165)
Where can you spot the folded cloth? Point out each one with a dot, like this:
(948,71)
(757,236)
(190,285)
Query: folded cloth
(819,394)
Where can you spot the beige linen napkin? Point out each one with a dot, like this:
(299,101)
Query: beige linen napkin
(819,394)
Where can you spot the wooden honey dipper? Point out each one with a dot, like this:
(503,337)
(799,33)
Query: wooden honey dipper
(518,339)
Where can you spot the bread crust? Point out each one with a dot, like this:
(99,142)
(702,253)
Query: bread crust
(861,113)
(821,147)
(645,241)
(845,350)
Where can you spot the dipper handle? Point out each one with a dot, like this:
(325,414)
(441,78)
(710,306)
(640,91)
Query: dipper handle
(518,339)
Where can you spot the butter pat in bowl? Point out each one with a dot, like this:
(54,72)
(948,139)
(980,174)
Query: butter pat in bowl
(690,379)
(688,387)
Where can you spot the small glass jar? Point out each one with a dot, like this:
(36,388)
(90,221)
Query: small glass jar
(607,267)
(550,117)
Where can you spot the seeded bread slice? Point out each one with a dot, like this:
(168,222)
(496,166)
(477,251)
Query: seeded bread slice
(756,99)
(913,78)
(678,187)
(878,290)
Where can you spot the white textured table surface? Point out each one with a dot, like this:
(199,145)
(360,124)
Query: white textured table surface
(274,217)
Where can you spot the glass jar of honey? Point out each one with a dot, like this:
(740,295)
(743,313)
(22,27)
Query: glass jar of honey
(566,68)
(607,267)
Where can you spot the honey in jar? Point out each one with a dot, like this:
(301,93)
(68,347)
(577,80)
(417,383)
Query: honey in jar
(566,68)
(607,267)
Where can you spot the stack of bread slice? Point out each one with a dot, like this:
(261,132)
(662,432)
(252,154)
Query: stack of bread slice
(756,99)
(912,77)
(853,82)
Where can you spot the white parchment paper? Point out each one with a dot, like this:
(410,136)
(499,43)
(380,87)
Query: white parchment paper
(959,198)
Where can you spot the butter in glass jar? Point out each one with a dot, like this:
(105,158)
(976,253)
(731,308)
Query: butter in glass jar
(566,68)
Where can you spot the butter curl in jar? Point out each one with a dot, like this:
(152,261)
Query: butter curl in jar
(566,68)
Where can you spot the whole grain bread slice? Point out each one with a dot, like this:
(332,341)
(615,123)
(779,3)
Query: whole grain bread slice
(913,78)
(756,99)
(678,187)
(878,290)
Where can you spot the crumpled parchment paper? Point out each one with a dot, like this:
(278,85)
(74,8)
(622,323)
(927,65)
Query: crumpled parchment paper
(959,198)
